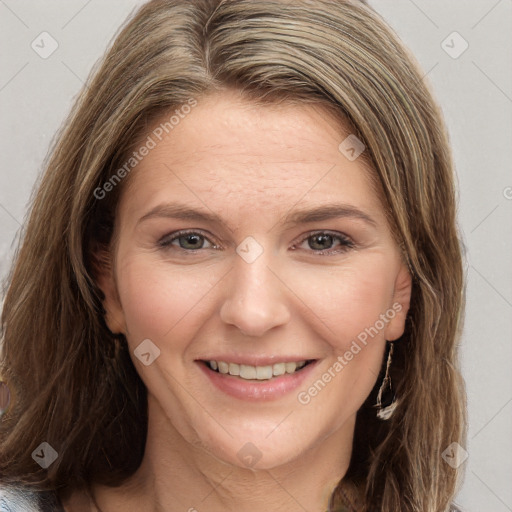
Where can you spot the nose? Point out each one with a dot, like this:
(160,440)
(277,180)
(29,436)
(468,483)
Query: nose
(255,300)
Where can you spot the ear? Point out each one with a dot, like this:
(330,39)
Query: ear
(105,279)
(400,304)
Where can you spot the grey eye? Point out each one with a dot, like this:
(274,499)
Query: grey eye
(320,241)
(191,241)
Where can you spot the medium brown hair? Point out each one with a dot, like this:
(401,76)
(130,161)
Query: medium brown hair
(72,381)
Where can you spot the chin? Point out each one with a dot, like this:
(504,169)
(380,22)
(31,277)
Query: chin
(261,448)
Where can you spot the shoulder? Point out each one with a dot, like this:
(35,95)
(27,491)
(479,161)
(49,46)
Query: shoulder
(24,499)
(14,499)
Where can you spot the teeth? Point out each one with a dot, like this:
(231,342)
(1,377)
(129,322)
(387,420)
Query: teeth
(263,372)
(290,367)
(279,369)
(249,372)
(223,367)
(234,369)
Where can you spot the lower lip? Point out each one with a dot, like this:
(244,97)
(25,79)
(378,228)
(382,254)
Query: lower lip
(257,390)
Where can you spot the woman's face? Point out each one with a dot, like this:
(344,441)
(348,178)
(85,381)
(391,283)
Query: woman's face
(249,243)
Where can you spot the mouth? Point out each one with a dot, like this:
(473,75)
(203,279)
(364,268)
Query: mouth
(257,373)
(271,379)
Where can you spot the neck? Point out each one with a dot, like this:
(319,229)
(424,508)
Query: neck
(176,475)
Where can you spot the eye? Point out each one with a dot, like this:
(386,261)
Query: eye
(322,242)
(186,240)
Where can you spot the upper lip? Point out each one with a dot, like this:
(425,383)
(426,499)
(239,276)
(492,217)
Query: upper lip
(256,360)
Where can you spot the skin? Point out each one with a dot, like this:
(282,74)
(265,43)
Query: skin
(252,166)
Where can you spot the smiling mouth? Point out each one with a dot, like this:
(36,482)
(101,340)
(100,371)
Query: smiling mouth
(249,372)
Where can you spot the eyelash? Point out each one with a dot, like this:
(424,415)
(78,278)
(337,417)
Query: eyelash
(345,242)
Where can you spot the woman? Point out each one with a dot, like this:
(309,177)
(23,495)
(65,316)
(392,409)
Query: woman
(246,247)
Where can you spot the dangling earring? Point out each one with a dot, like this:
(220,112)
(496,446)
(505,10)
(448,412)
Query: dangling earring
(114,347)
(385,411)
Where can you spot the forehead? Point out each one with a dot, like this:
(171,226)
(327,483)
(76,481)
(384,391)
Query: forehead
(230,150)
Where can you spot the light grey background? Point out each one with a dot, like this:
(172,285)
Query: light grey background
(475,92)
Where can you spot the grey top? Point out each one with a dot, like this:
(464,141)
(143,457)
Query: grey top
(18,499)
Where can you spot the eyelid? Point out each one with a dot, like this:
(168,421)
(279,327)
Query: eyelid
(166,240)
(346,241)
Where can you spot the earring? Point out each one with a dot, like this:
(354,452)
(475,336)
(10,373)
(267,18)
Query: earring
(114,347)
(385,411)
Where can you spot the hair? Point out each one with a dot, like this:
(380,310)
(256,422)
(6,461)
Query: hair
(72,381)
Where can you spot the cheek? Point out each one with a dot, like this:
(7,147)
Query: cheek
(347,301)
(347,306)
(159,301)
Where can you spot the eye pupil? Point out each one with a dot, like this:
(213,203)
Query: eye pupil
(193,239)
(322,241)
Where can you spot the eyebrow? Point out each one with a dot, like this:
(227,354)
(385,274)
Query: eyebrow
(328,212)
(303,216)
